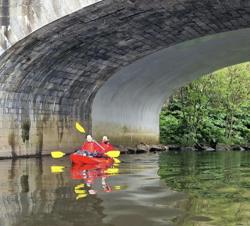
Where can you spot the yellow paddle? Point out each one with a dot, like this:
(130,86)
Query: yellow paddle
(116,160)
(57,169)
(79,191)
(80,128)
(112,171)
(60,154)
(112,154)
(79,186)
(57,154)
(80,196)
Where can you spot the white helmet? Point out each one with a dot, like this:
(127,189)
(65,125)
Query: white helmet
(89,138)
(105,138)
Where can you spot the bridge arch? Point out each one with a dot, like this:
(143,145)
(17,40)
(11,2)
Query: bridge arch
(128,105)
(94,66)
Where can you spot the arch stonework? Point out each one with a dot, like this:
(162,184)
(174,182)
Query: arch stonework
(18,18)
(110,65)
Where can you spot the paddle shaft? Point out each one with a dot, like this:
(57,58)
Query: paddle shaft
(80,128)
(99,145)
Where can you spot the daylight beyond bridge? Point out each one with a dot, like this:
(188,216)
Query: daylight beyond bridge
(110,66)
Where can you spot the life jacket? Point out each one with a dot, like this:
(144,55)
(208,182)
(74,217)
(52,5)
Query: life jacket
(90,147)
(107,146)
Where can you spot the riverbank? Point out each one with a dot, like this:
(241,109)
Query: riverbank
(145,148)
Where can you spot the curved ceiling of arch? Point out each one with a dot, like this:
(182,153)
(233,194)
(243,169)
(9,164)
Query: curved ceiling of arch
(133,96)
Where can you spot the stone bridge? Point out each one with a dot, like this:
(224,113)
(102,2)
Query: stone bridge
(18,18)
(110,66)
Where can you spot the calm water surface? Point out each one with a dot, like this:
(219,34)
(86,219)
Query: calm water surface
(168,189)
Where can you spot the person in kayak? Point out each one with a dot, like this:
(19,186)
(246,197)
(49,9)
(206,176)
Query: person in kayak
(106,144)
(91,148)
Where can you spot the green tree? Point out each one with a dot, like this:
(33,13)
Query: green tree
(212,109)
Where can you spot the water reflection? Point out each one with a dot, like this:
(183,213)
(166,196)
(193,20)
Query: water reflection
(131,194)
(191,190)
(217,184)
(34,196)
(89,174)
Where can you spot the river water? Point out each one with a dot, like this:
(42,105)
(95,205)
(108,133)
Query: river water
(184,189)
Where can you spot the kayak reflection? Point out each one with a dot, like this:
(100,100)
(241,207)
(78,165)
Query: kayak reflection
(90,174)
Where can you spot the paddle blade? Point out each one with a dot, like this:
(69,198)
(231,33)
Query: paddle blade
(113,154)
(80,128)
(57,154)
(116,160)
(57,169)
(112,171)
(80,196)
(120,187)
(79,186)
(78,191)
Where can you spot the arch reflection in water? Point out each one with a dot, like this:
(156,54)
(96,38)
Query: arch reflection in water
(31,195)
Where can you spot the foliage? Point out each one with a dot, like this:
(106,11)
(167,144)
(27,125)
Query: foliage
(213,109)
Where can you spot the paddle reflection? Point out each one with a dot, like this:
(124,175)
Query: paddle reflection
(90,175)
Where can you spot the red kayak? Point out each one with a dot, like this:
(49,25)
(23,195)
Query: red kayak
(81,160)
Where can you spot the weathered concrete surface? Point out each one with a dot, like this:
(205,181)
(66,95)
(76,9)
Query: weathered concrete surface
(50,79)
(18,18)
(131,100)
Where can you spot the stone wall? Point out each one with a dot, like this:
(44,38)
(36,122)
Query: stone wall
(18,18)
(51,77)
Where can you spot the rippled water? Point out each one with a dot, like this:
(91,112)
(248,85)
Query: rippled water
(170,189)
(217,186)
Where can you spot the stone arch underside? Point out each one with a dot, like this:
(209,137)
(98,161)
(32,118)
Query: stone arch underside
(128,105)
(50,79)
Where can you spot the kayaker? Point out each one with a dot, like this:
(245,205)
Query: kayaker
(106,144)
(91,148)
